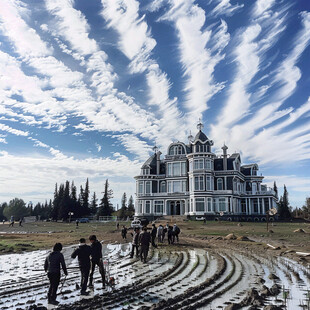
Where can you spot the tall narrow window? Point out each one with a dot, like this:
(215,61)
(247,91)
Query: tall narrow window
(208,184)
(163,187)
(148,187)
(199,183)
(198,164)
(220,184)
(147,207)
(209,204)
(222,204)
(208,164)
(140,188)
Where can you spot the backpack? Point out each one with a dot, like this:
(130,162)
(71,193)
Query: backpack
(177,230)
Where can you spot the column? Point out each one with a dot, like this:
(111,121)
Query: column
(246,206)
(264,209)
(250,206)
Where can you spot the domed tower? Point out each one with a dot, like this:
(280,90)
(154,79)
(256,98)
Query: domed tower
(201,172)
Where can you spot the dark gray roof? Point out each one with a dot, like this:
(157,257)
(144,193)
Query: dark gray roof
(151,162)
(201,136)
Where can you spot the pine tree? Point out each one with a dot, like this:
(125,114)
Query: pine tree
(85,198)
(55,209)
(94,205)
(63,207)
(284,205)
(275,188)
(131,207)
(105,208)
(123,209)
(306,208)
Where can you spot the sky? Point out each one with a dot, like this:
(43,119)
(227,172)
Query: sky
(87,88)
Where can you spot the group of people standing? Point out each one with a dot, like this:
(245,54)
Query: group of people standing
(89,256)
(141,241)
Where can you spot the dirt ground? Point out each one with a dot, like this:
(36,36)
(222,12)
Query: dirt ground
(43,235)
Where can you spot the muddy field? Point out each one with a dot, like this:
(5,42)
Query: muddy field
(197,274)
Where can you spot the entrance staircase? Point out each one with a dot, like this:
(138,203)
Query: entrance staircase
(173,218)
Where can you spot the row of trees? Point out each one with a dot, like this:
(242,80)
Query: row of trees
(286,211)
(67,200)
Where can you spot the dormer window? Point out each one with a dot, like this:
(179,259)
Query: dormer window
(176,150)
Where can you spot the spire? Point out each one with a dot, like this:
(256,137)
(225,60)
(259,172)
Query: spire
(155,148)
(199,125)
(190,137)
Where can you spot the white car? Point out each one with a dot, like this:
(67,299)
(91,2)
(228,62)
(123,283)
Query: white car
(136,224)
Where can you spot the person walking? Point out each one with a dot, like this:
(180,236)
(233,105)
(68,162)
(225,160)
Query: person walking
(21,222)
(135,242)
(176,232)
(11,221)
(83,253)
(52,266)
(124,232)
(96,260)
(160,233)
(144,241)
(153,235)
(170,235)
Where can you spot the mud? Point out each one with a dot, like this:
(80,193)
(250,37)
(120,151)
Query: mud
(194,275)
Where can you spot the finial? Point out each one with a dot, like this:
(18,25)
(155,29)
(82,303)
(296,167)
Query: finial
(199,125)
(155,148)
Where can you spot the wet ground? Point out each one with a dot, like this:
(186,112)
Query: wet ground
(173,278)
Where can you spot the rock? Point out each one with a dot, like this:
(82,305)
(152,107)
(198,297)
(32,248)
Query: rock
(271,231)
(232,306)
(243,238)
(272,307)
(275,290)
(240,225)
(260,281)
(272,276)
(252,298)
(230,237)
(265,291)
(299,230)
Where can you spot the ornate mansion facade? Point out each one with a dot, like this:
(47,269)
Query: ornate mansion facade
(191,180)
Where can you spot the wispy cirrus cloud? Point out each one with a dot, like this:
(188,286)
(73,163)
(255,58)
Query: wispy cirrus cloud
(197,60)
(224,7)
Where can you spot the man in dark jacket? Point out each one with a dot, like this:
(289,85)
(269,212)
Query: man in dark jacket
(83,253)
(135,243)
(144,241)
(124,232)
(96,259)
(153,235)
(52,267)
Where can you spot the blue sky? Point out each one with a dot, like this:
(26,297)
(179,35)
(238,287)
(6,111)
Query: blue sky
(88,87)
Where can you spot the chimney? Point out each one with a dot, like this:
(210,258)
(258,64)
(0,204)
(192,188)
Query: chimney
(224,148)
(158,162)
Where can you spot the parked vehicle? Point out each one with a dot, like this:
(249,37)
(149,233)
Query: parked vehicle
(84,220)
(139,222)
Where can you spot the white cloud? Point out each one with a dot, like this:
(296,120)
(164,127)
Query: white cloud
(13,131)
(26,40)
(224,7)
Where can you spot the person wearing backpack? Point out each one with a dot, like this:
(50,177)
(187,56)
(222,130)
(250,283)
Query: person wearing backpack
(176,231)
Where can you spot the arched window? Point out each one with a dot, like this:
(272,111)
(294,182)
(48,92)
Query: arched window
(220,184)
(163,187)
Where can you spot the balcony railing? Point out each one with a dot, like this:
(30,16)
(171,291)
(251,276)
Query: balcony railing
(163,194)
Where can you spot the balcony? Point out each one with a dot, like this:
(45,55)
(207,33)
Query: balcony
(162,194)
(268,192)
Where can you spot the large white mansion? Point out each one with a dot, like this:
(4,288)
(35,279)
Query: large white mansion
(193,181)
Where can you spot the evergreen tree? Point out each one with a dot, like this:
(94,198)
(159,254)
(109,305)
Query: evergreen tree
(105,208)
(56,201)
(306,208)
(284,206)
(2,207)
(62,207)
(85,198)
(131,207)
(94,204)
(275,188)
(123,209)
